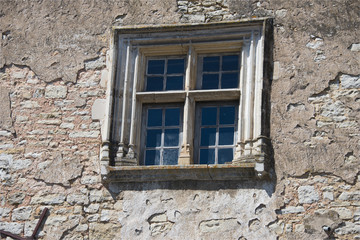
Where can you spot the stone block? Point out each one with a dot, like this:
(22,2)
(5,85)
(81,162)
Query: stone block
(55,91)
(15,228)
(16,198)
(92,208)
(30,104)
(77,199)
(350,196)
(98,109)
(307,194)
(4,212)
(21,214)
(355,47)
(67,125)
(48,199)
(5,110)
(57,170)
(90,180)
(88,134)
(348,81)
(344,213)
(97,63)
(292,209)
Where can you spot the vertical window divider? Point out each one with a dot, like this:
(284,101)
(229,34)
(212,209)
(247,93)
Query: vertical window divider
(121,146)
(185,156)
(132,152)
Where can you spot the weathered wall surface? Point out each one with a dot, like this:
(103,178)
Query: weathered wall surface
(53,70)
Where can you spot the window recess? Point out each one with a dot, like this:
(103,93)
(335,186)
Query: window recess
(187,102)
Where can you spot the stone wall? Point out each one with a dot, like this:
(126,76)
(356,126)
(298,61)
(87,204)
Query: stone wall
(54,70)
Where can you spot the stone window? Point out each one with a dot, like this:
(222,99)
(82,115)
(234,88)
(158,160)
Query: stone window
(187,102)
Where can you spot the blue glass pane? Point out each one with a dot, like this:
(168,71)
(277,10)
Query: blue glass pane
(156,66)
(230,63)
(172,117)
(154,117)
(208,136)
(226,136)
(152,157)
(208,116)
(210,81)
(229,80)
(170,156)
(153,138)
(225,155)
(154,83)
(207,156)
(176,66)
(171,137)
(227,115)
(174,83)
(211,64)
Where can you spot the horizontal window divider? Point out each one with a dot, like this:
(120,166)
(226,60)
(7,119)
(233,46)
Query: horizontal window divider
(161,97)
(197,172)
(215,94)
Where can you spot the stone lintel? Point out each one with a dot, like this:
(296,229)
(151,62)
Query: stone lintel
(218,172)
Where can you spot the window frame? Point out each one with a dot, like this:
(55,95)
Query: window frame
(132,45)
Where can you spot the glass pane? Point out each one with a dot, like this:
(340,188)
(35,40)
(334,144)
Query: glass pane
(207,156)
(154,117)
(225,155)
(230,63)
(154,83)
(211,64)
(227,115)
(208,116)
(174,83)
(172,117)
(208,136)
(153,138)
(229,80)
(171,137)
(152,157)
(156,66)
(226,136)
(175,66)
(210,81)
(170,156)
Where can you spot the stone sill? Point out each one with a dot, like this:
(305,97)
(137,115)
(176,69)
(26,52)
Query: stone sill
(186,172)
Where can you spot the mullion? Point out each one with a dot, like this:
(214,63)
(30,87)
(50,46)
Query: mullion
(165,74)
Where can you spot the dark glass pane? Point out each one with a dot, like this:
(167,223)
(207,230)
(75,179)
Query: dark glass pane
(210,81)
(152,157)
(207,156)
(174,83)
(230,63)
(154,84)
(208,116)
(156,66)
(171,137)
(226,136)
(172,117)
(211,64)
(225,155)
(227,115)
(230,80)
(153,138)
(154,117)
(170,156)
(208,136)
(175,66)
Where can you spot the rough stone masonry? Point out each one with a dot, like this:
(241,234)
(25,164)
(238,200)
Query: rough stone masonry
(54,66)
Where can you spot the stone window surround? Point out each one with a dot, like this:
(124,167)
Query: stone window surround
(121,128)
